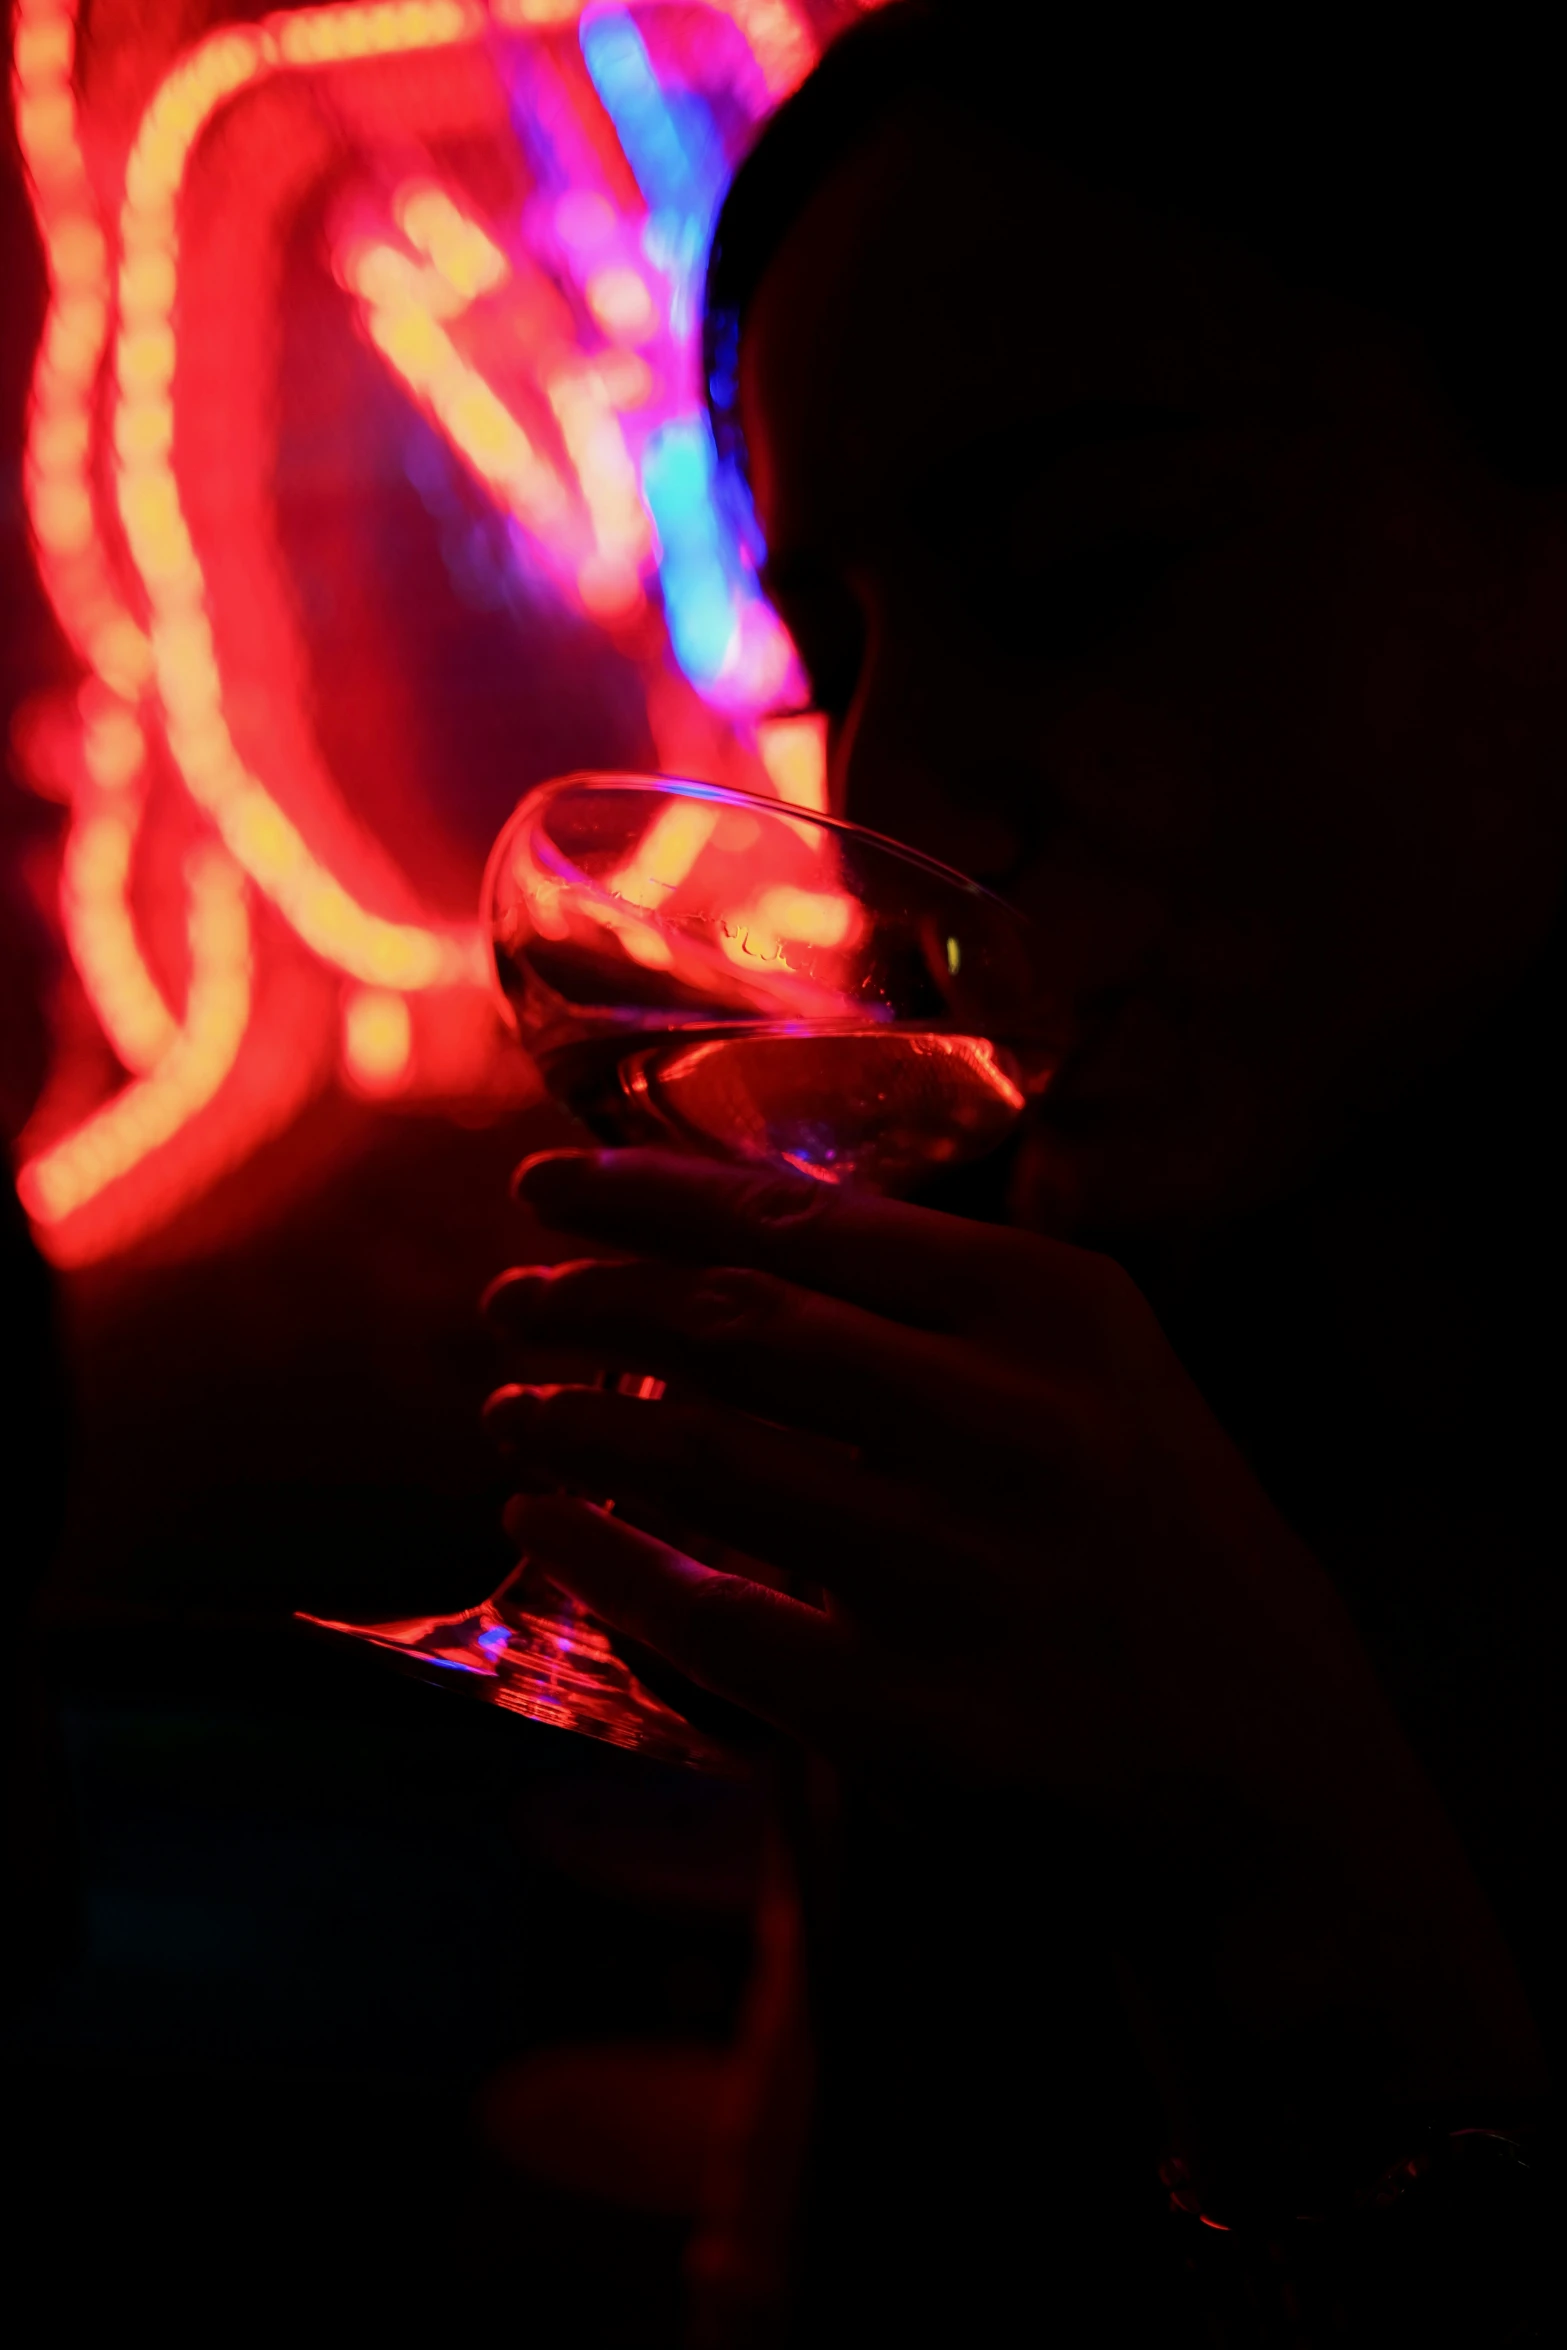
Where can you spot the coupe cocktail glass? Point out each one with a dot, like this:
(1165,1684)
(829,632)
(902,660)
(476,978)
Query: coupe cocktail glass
(737,976)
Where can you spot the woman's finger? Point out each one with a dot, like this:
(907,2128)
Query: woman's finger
(799,1503)
(792,1355)
(915,1265)
(791,1664)
(540,1365)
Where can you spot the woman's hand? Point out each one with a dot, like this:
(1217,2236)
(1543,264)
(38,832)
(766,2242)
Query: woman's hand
(1042,1560)
(1041,1565)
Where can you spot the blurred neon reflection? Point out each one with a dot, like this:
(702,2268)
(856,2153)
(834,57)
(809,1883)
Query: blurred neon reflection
(551,347)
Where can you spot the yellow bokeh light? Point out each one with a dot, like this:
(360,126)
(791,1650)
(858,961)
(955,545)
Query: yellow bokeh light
(807,917)
(469,261)
(377,1039)
(794,752)
(621,304)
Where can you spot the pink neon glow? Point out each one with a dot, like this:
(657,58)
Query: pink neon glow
(127,578)
(190,1069)
(263,840)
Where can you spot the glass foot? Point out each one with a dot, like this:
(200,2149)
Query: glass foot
(555,1667)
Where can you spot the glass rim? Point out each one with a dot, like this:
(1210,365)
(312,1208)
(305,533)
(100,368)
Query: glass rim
(758,803)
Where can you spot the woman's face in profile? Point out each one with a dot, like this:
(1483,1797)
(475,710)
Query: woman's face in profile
(1161,597)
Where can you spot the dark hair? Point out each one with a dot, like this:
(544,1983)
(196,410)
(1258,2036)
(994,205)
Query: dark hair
(1412,168)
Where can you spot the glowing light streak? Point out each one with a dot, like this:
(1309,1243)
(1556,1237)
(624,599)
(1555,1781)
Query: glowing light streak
(807,917)
(666,853)
(102,940)
(670,148)
(778,36)
(114,748)
(794,753)
(456,246)
(180,1066)
(609,579)
(641,941)
(91,753)
(538,14)
(672,144)
(479,425)
(646,946)
(264,840)
(386,280)
(732,941)
(403,305)
(57,474)
(698,599)
(724,636)
(750,938)
(377,1040)
(58,1182)
(545,908)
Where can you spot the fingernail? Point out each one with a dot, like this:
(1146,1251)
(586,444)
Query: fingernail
(533,1183)
(509,1291)
(501,1413)
(513,1413)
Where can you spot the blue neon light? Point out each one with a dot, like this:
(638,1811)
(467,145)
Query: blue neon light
(668,136)
(677,482)
(672,145)
(672,142)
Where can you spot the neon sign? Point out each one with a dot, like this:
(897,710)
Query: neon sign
(239,929)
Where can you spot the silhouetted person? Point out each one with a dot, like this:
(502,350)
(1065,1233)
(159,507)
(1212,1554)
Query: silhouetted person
(1157,447)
